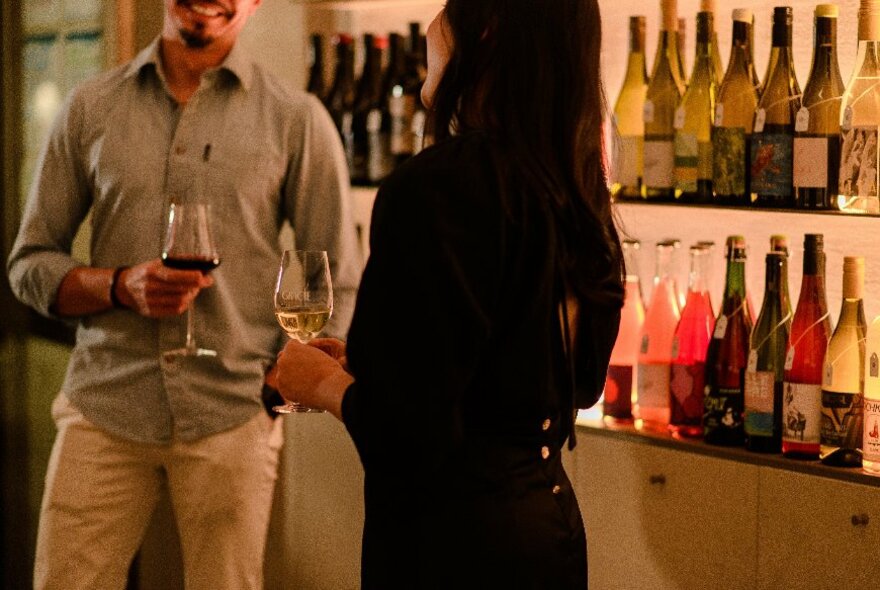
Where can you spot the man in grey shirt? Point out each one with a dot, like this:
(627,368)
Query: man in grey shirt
(190,116)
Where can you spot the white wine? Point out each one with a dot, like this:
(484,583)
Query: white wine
(303,323)
(693,122)
(661,101)
(843,376)
(735,105)
(709,6)
(628,123)
(860,119)
(817,127)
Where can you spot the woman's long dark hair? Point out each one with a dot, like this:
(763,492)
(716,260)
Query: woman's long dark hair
(527,73)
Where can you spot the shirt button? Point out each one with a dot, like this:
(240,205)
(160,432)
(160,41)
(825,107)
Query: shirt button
(545,452)
(556,490)
(546,424)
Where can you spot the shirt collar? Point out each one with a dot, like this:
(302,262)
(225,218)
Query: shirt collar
(236,63)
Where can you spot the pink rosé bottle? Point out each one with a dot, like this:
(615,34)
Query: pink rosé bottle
(688,375)
(620,386)
(651,408)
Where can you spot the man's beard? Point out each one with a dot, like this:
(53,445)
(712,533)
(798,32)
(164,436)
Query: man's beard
(195,39)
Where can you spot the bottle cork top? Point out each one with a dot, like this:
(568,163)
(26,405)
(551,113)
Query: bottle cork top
(736,242)
(669,10)
(853,277)
(827,10)
(707,5)
(779,243)
(869,20)
(813,241)
(743,15)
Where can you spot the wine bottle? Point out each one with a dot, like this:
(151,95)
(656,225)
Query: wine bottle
(857,184)
(871,440)
(403,98)
(734,111)
(709,6)
(773,135)
(316,81)
(817,127)
(808,341)
(620,386)
(629,125)
(651,408)
(759,86)
(681,39)
(728,353)
(689,346)
(340,99)
(366,110)
(762,392)
(693,122)
(843,374)
(661,101)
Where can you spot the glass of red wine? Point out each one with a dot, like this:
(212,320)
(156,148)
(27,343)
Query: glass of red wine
(189,245)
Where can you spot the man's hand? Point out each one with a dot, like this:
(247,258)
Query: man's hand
(333,347)
(156,291)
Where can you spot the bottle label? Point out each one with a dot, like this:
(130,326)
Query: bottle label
(687,159)
(810,166)
(659,163)
(678,121)
(374,121)
(722,409)
(719,114)
(771,164)
(720,328)
(760,118)
(401,109)
(846,124)
(752,364)
(874,366)
(840,418)
(801,412)
(653,385)
(417,127)
(789,359)
(648,112)
(871,442)
(802,120)
(629,160)
(758,391)
(618,392)
(729,160)
(687,383)
(858,162)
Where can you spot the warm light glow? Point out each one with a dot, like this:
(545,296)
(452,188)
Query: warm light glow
(47,101)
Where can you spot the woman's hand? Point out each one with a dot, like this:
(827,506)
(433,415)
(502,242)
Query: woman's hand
(309,376)
(333,347)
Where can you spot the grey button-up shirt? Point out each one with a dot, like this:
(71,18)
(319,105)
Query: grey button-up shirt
(120,148)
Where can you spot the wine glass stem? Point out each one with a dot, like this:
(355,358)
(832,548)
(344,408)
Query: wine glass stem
(190,341)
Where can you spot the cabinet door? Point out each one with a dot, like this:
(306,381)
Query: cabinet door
(660,518)
(817,533)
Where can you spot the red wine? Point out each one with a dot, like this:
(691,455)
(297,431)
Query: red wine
(203,264)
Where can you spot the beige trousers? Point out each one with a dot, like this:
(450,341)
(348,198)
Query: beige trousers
(101,491)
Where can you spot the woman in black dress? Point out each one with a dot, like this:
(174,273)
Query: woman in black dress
(487,310)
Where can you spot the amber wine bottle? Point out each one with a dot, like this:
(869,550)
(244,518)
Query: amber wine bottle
(693,122)
(661,101)
(709,6)
(629,125)
(860,119)
(817,126)
(843,376)
(773,135)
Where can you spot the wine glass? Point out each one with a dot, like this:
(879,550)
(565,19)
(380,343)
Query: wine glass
(303,301)
(188,245)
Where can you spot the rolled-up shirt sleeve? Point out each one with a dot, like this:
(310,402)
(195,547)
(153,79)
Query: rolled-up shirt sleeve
(58,201)
(317,202)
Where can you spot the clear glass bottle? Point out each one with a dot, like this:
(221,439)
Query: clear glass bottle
(689,347)
(860,120)
(629,124)
(661,101)
(817,127)
(620,386)
(651,409)
(693,122)
(843,379)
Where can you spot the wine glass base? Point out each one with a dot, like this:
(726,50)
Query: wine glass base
(292,408)
(193,351)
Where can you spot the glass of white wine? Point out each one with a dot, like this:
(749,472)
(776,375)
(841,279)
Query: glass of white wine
(303,301)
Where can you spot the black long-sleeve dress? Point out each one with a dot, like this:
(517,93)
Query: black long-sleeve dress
(462,399)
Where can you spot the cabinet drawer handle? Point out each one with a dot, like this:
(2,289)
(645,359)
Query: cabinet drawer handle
(660,479)
(860,520)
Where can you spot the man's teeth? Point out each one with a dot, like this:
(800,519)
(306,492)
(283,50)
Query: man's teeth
(204,10)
